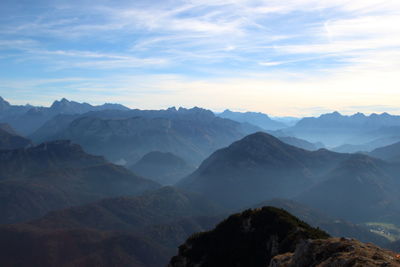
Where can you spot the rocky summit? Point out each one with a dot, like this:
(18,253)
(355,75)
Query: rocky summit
(336,252)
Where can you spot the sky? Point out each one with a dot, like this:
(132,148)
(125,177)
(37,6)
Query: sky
(281,57)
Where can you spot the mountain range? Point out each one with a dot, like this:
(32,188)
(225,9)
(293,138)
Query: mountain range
(125,231)
(256,118)
(360,189)
(9,139)
(126,136)
(389,153)
(56,175)
(332,225)
(162,167)
(27,119)
(82,185)
(354,187)
(259,167)
(334,129)
(368,146)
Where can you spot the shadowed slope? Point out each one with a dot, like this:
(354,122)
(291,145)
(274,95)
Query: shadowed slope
(256,168)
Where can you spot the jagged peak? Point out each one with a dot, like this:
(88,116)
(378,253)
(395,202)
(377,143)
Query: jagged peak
(3,102)
(359,115)
(173,109)
(61,102)
(335,114)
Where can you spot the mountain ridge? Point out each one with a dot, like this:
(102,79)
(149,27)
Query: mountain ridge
(246,171)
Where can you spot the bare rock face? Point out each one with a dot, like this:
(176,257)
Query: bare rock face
(334,252)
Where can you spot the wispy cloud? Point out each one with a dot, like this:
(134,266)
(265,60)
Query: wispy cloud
(315,52)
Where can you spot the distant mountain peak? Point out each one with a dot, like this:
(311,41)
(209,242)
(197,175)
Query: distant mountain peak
(3,103)
(359,115)
(334,114)
(60,103)
(262,137)
(255,118)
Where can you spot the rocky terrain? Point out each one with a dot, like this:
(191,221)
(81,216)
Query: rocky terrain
(272,237)
(336,252)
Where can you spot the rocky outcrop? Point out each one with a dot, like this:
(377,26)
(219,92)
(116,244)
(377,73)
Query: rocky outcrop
(273,237)
(336,252)
(250,238)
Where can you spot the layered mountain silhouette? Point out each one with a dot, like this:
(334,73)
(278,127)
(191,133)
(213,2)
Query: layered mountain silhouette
(369,146)
(256,168)
(27,119)
(389,153)
(64,106)
(63,206)
(9,139)
(300,143)
(256,118)
(56,175)
(360,189)
(192,134)
(335,129)
(26,245)
(162,167)
(333,226)
(128,231)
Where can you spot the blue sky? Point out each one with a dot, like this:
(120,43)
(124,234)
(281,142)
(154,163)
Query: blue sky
(294,57)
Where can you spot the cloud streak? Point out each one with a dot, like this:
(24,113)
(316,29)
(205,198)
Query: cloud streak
(307,49)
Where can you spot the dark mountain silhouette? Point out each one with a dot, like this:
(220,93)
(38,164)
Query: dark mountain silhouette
(9,139)
(162,167)
(26,245)
(138,231)
(250,238)
(390,152)
(256,168)
(162,206)
(27,119)
(333,226)
(56,175)
(335,129)
(190,134)
(256,118)
(360,189)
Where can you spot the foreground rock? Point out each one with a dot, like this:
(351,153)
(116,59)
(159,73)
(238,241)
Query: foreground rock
(336,252)
(250,238)
(273,237)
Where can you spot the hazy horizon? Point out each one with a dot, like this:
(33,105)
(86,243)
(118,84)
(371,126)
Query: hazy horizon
(316,114)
